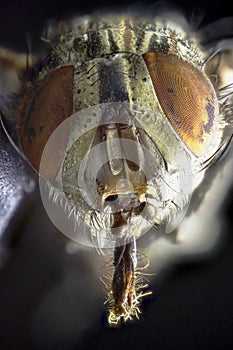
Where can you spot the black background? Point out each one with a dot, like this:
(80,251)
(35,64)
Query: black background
(192,307)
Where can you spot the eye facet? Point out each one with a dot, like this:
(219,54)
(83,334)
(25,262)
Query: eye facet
(45,106)
(187,98)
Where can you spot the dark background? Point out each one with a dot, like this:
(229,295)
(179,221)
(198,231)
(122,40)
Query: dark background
(192,308)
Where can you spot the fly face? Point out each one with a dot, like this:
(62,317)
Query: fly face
(121,122)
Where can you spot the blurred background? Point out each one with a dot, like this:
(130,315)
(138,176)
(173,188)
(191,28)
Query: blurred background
(51,298)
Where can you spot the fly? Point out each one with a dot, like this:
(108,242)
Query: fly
(122,119)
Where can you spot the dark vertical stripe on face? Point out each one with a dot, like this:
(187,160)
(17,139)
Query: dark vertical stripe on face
(139,39)
(155,46)
(113,45)
(94,45)
(112,87)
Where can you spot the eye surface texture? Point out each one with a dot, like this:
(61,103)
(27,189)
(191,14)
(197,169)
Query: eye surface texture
(45,106)
(187,98)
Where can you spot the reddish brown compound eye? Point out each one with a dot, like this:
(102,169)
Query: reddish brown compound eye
(46,105)
(187,98)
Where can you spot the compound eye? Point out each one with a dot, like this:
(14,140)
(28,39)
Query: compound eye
(187,98)
(46,105)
